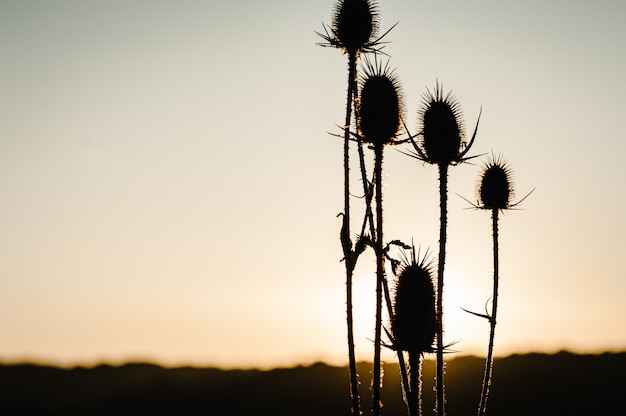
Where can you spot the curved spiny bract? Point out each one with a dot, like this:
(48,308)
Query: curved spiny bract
(495,190)
(380,107)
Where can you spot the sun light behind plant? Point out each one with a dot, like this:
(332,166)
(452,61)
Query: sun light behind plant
(364,308)
(460,327)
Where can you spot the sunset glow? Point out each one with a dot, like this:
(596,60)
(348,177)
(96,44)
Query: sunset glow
(171,178)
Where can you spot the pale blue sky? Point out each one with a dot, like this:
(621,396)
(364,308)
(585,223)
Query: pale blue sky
(170,190)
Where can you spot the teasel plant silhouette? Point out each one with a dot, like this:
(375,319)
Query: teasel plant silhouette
(380,112)
(441,142)
(353,30)
(414,323)
(495,192)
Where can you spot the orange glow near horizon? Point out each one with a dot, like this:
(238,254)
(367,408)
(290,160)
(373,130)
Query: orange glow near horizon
(170,188)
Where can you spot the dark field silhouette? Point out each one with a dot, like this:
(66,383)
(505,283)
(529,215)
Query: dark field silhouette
(530,384)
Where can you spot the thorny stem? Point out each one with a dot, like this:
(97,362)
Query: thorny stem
(482,408)
(347,246)
(354,378)
(380,276)
(443,202)
(406,389)
(414,397)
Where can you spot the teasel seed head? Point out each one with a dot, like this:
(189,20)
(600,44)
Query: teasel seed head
(495,190)
(414,322)
(442,130)
(354,24)
(380,105)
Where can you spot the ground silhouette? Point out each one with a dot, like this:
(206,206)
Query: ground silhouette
(529,384)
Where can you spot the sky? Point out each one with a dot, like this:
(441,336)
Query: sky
(170,178)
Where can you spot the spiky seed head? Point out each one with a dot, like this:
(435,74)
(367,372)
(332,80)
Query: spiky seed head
(354,24)
(441,127)
(380,106)
(414,322)
(495,190)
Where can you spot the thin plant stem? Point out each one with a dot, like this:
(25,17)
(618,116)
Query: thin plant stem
(415,383)
(406,388)
(440,367)
(482,408)
(347,247)
(354,378)
(380,276)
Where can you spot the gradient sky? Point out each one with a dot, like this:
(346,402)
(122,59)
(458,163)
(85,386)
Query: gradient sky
(170,190)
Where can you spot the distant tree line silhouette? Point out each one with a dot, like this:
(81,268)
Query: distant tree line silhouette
(530,384)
